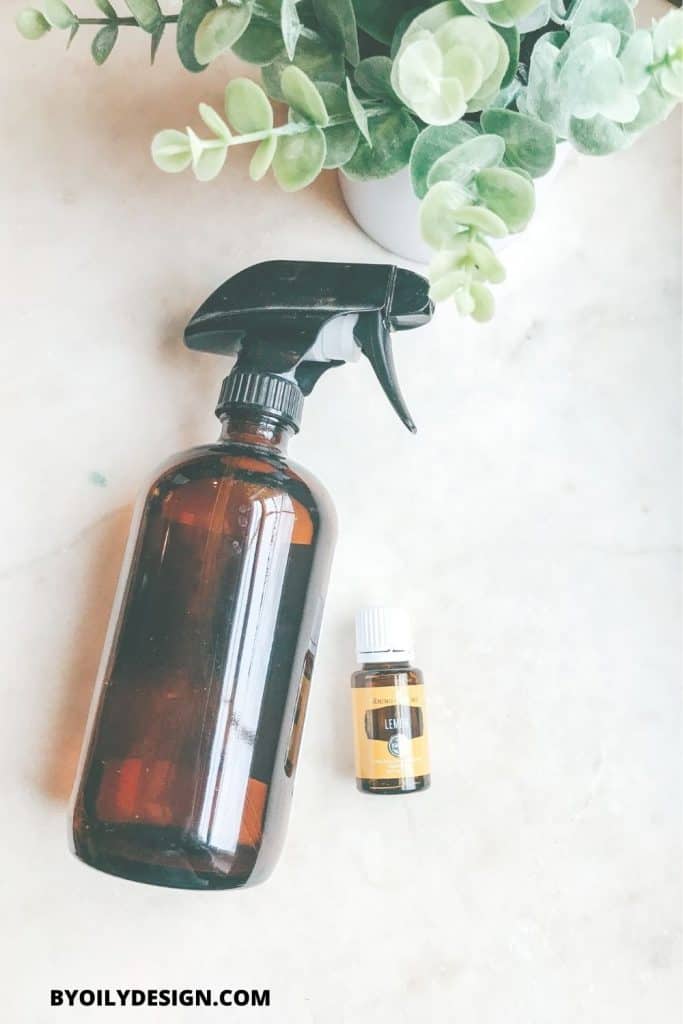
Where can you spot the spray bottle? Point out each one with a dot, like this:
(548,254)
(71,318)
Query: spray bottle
(191,751)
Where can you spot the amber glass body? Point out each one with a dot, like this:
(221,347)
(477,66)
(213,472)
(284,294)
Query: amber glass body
(390,674)
(189,763)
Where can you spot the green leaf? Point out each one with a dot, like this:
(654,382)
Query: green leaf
(32,24)
(262,158)
(431,144)
(214,122)
(392,137)
(510,37)
(670,78)
(104,42)
(592,82)
(484,305)
(338,21)
(470,296)
(439,224)
(636,58)
(492,82)
(668,40)
(614,12)
(465,65)
(299,159)
(219,29)
(653,106)
(58,14)
(72,34)
(507,194)
(106,8)
(341,139)
(301,94)
(482,219)
(400,31)
(464,300)
(358,113)
(171,151)
(470,254)
(597,136)
(157,36)
(147,13)
(434,18)
(290,26)
(247,107)
(446,286)
(373,76)
(447,67)
(539,17)
(529,142)
(487,264)
(667,34)
(211,162)
(419,80)
(208,156)
(379,18)
(542,97)
(314,57)
(261,43)
(506,12)
(192,13)
(466,159)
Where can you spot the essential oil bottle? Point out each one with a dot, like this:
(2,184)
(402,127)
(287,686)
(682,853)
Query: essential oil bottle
(392,754)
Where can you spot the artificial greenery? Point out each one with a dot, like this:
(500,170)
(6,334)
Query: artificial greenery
(472,95)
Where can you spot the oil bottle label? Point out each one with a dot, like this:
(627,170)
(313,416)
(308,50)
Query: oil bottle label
(390,732)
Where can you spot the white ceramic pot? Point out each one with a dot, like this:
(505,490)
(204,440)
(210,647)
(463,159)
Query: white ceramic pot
(387,209)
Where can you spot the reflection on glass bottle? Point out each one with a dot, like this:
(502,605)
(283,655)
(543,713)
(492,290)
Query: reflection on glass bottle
(299,715)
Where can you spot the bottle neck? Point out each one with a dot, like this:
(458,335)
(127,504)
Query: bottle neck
(250,427)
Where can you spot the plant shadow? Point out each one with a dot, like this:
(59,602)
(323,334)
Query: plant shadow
(105,117)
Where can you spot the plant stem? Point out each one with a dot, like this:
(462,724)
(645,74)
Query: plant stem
(167,18)
(293,128)
(301,127)
(257,9)
(666,61)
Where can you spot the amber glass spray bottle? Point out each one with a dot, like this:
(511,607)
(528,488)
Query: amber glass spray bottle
(195,732)
(390,729)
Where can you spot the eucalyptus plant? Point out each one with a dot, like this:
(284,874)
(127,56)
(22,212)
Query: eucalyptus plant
(472,95)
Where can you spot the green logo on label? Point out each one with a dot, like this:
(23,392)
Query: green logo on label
(396,745)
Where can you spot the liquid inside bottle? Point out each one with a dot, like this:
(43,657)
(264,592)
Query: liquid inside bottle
(189,768)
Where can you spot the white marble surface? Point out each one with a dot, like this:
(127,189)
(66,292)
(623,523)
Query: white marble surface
(532,528)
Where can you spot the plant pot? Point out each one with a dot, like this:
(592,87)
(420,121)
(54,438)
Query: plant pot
(388,211)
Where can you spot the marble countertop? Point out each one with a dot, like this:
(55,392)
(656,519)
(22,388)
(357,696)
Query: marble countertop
(532,528)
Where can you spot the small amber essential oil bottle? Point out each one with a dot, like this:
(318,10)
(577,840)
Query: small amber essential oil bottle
(387,693)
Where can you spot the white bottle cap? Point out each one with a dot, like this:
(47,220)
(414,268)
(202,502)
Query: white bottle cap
(383,634)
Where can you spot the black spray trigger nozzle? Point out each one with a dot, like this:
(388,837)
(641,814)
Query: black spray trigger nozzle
(289,321)
(374,338)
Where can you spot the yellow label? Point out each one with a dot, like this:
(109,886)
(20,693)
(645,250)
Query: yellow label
(390,731)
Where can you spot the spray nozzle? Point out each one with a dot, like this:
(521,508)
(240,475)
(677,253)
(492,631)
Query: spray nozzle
(296,319)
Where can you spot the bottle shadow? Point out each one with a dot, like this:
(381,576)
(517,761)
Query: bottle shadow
(63,755)
(338,699)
